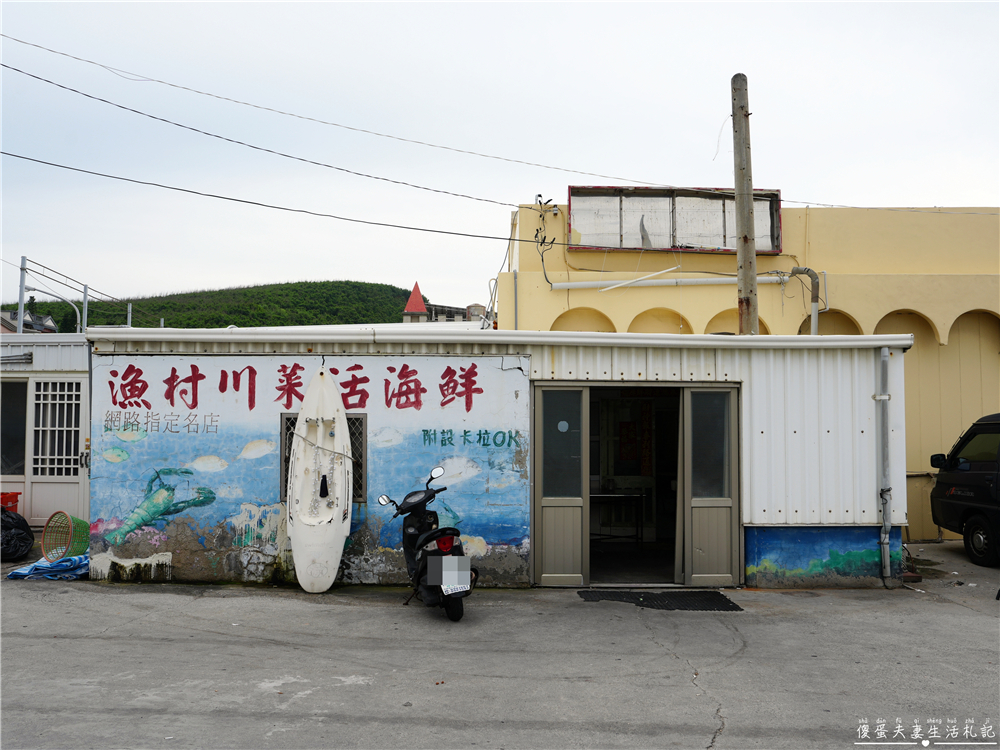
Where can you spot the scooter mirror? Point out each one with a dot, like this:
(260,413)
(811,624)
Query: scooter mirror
(436,472)
(384,500)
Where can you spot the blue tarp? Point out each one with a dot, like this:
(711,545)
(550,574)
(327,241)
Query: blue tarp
(66,569)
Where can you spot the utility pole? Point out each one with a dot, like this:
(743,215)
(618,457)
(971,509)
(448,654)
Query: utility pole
(746,246)
(20,295)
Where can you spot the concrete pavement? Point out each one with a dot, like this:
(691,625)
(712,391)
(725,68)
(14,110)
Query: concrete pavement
(88,665)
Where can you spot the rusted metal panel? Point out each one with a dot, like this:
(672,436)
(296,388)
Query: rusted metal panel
(701,222)
(646,221)
(683,219)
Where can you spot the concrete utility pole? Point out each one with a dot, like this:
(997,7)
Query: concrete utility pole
(746,246)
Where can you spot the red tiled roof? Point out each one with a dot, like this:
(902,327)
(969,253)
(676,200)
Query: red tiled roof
(415,304)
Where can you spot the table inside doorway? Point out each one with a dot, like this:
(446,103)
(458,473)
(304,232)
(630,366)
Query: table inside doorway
(613,501)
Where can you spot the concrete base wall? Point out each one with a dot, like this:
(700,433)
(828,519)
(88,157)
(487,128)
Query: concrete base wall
(819,556)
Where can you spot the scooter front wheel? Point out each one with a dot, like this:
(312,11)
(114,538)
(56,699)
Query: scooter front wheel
(454,608)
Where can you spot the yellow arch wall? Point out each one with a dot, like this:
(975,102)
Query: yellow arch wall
(660,320)
(583,319)
(728,321)
(947,389)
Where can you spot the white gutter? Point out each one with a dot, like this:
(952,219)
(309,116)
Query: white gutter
(604,285)
(442,333)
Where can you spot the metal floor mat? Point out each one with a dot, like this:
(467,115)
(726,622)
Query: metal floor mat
(687,601)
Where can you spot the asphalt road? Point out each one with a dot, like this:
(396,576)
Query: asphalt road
(89,665)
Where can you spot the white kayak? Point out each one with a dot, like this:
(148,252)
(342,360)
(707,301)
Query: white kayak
(320,485)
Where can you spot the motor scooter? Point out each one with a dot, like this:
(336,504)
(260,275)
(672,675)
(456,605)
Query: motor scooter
(437,580)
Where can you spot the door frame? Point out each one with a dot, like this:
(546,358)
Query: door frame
(81,504)
(735,575)
(538,502)
(736,446)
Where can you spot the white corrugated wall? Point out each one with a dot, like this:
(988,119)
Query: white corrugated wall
(50,352)
(809,445)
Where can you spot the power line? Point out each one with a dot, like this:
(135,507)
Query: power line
(145,79)
(265,205)
(90,292)
(250,145)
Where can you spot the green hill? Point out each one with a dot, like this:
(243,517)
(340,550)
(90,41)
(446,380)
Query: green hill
(299,303)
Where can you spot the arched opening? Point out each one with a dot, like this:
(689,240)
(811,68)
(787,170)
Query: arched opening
(832,323)
(583,319)
(728,321)
(908,321)
(660,320)
(946,389)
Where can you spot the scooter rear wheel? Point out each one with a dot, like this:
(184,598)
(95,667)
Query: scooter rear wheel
(454,608)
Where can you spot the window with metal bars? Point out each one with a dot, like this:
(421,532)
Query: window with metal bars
(357,424)
(56,433)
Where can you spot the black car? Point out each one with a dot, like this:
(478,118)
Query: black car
(964,498)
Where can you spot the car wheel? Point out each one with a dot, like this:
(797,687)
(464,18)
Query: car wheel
(454,608)
(981,542)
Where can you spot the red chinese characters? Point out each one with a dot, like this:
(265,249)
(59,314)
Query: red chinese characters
(128,393)
(237,376)
(462,387)
(175,380)
(408,394)
(353,395)
(289,382)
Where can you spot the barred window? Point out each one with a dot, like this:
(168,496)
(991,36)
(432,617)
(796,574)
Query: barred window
(357,425)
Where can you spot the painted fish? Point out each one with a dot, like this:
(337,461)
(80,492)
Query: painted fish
(207,464)
(115,455)
(159,501)
(256,449)
(130,436)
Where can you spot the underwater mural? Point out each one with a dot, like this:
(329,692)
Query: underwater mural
(818,556)
(187,456)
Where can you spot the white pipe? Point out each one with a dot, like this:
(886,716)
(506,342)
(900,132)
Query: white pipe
(601,285)
(86,292)
(636,281)
(884,496)
(53,294)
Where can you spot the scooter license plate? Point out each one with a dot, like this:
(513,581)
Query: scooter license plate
(447,590)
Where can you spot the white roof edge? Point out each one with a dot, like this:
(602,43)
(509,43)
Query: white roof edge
(442,333)
(43,338)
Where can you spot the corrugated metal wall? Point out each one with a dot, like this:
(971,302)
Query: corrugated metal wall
(50,352)
(809,441)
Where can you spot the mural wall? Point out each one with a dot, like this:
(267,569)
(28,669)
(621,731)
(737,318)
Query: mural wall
(186,462)
(818,556)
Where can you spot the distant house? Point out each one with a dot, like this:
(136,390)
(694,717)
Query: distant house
(33,322)
(417,312)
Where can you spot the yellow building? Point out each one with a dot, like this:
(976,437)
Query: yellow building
(934,273)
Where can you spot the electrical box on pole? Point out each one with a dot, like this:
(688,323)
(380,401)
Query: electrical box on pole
(746,246)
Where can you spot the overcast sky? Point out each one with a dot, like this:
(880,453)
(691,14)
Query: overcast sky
(858,104)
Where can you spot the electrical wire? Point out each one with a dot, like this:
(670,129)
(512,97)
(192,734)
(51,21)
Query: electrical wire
(145,79)
(259,204)
(250,145)
(91,300)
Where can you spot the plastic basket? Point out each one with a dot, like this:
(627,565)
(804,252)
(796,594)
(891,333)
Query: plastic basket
(9,500)
(64,536)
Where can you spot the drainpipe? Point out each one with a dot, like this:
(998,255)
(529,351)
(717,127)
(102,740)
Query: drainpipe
(515,300)
(814,322)
(886,499)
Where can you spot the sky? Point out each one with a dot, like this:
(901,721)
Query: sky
(859,104)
